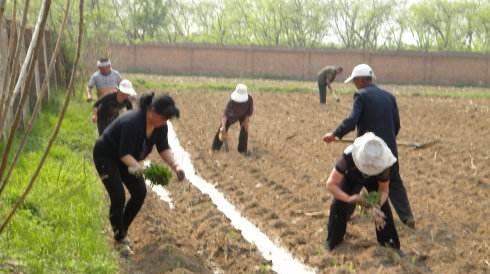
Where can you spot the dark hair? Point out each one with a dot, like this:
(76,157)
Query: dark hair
(103,59)
(161,104)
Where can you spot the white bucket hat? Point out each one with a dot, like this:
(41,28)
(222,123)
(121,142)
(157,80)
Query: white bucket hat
(361,70)
(240,95)
(126,87)
(371,155)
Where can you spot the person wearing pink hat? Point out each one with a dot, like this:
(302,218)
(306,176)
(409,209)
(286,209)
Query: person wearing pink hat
(238,109)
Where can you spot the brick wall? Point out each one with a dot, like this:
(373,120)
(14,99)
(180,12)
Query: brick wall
(302,64)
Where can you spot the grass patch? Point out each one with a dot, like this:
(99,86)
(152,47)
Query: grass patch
(147,82)
(59,227)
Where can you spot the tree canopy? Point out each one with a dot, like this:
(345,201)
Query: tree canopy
(442,25)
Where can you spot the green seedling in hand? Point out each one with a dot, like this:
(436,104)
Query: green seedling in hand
(370,199)
(158,174)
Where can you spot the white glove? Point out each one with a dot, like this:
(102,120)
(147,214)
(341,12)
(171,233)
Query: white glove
(136,169)
(378,217)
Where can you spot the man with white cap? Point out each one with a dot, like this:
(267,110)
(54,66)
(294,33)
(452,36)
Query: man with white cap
(105,80)
(365,163)
(375,110)
(107,108)
(239,108)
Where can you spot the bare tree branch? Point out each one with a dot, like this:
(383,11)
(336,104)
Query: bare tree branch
(39,100)
(25,77)
(2,10)
(10,56)
(69,92)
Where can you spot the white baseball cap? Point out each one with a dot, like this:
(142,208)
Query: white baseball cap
(362,70)
(371,155)
(126,87)
(240,95)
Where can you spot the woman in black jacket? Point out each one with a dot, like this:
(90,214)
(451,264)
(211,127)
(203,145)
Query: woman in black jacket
(118,152)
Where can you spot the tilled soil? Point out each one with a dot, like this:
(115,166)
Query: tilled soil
(194,237)
(280,187)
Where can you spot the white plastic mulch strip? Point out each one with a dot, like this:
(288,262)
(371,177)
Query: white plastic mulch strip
(161,192)
(282,260)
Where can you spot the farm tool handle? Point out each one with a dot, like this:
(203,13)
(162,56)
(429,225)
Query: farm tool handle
(400,143)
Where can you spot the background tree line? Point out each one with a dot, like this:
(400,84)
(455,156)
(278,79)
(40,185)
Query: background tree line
(432,25)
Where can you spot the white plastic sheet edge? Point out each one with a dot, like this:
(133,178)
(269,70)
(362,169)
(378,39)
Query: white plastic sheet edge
(282,261)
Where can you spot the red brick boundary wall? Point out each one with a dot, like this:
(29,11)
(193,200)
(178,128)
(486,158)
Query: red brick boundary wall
(302,64)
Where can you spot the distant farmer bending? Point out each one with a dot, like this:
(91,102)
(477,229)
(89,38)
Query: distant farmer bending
(325,77)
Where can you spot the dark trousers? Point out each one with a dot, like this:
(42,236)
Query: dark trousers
(114,174)
(322,88)
(398,195)
(341,211)
(242,139)
(101,125)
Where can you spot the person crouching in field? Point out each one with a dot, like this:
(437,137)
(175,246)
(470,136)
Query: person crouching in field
(365,163)
(106,108)
(117,155)
(239,108)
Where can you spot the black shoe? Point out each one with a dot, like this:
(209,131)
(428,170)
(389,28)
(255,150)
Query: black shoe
(410,222)
(124,249)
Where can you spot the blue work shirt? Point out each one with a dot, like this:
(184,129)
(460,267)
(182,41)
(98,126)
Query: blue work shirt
(374,110)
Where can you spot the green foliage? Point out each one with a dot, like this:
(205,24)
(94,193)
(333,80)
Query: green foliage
(58,228)
(450,25)
(233,234)
(460,25)
(158,174)
(370,199)
(265,267)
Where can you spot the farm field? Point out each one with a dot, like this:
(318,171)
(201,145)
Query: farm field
(280,186)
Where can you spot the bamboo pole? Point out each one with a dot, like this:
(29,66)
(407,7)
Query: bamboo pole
(14,69)
(25,77)
(2,10)
(45,61)
(37,106)
(69,92)
(10,56)
(37,79)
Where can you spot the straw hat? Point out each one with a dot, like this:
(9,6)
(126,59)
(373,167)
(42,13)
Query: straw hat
(371,155)
(240,95)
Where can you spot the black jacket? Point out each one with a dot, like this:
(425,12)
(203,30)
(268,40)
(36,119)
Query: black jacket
(127,136)
(374,110)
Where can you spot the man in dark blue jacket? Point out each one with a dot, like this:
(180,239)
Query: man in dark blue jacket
(375,110)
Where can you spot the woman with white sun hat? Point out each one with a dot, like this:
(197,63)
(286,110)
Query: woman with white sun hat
(365,163)
(238,109)
(107,107)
